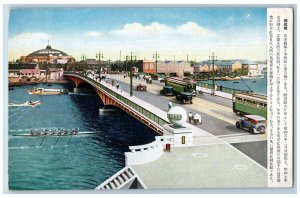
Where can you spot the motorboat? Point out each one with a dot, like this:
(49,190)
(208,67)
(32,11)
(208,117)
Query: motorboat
(43,91)
(33,103)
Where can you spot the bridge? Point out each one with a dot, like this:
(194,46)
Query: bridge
(148,114)
(210,162)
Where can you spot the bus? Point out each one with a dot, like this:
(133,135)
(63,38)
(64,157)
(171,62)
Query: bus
(181,85)
(249,103)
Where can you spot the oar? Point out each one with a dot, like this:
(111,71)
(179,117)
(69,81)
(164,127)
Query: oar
(57,139)
(70,139)
(43,139)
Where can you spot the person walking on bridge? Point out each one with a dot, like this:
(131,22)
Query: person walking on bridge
(170,104)
(117,85)
(190,117)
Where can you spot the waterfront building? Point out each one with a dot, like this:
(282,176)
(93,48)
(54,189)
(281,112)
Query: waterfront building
(22,72)
(47,55)
(88,64)
(168,68)
(227,66)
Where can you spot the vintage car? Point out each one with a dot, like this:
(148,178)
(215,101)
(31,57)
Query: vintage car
(185,97)
(253,123)
(141,87)
(167,91)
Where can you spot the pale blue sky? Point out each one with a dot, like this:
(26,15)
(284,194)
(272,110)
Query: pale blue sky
(229,32)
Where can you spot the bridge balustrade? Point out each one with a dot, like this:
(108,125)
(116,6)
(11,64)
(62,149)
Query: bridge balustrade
(157,119)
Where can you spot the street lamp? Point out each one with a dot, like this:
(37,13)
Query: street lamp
(213,59)
(156,55)
(99,56)
(130,58)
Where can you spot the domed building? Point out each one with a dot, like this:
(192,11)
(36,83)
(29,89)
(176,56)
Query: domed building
(47,55)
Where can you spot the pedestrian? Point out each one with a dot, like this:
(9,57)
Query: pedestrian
(190,117)
(124,76)
(117,85)
(197,119)
(221,88)
(216,87)
(170,104)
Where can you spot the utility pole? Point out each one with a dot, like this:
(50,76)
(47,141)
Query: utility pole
(99,56)
(156,55)
(83,57)
(213,58)
(130,58)
(187,58)
(174,57)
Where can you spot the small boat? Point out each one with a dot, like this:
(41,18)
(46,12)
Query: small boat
(235,82)
(42,91)
(254,81)
(33,103)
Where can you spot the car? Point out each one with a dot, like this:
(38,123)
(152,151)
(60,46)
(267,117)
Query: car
(185,97)
(255,124)
(167,91)
(141,87)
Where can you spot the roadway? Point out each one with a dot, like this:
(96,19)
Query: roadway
(217,116)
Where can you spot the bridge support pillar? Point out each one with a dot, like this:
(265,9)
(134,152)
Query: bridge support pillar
(77,81)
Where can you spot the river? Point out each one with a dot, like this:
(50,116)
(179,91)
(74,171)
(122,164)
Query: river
(87,160)
(257,85)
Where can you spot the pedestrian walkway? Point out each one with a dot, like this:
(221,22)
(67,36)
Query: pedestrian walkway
(205,166)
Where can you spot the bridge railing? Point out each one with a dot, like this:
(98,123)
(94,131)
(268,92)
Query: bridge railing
(147,113)
(210,86)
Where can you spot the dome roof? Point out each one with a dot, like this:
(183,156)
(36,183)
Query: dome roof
(48,51)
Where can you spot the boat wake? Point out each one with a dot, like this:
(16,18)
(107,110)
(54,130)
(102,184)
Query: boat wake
(80,94)
(25,104)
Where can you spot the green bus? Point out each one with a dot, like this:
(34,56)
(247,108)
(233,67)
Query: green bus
(249,103)
(181,85)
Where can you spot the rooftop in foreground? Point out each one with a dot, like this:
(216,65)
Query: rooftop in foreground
(206,166)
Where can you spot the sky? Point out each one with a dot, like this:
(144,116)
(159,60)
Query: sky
(231,33)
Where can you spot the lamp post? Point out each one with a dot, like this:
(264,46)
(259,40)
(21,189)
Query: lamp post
(130,58)
(99,56)
(156,55)
(213,59)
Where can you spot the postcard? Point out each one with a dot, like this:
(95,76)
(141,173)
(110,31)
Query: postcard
(123,98)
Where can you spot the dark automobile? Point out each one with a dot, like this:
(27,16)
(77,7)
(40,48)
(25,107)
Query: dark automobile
(167,91)
(185,97)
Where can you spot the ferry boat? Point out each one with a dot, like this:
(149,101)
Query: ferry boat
(230,78)
(42,91)
(253,76)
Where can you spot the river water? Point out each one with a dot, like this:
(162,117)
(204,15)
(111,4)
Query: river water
(86,161)
(257,85)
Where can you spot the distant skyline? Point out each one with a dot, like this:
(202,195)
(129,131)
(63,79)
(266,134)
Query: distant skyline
(231,33)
